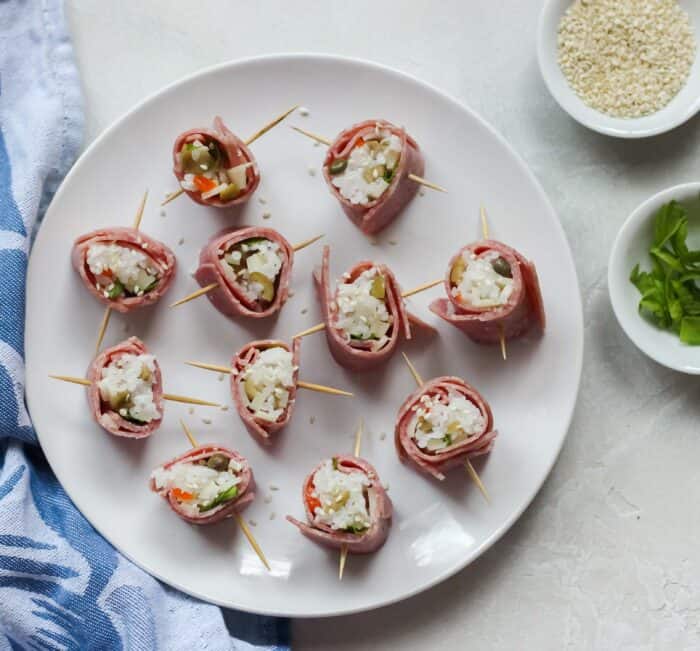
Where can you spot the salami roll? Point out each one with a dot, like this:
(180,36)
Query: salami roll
(367,168)
(365,316)
(252,266)
(264,385)
(345,504)
(126,390)
(123,267)
(491,290)
(205,485)
(214,166)
(443,423)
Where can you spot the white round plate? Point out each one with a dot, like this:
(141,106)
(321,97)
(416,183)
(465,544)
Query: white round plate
(631,247)
(680,109)
(437,528)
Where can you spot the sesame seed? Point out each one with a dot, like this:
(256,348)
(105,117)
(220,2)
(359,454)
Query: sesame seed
(262,200)
(222,377)
(303,111)
(393,242)
(267,214)
(206,421)
(162,212)
(312,420)
(382,436)
(273,487)
(181,241)
(224,407)
(191,410)
(312,171)
(252,523)
(272,515)
(267,499)
(304,311)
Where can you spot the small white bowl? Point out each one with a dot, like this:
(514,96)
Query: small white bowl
(681,108)
(631,247)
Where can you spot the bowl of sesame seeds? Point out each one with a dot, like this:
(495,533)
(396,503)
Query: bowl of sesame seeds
(625,68)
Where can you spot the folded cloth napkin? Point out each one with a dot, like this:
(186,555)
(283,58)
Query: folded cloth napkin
(62,586)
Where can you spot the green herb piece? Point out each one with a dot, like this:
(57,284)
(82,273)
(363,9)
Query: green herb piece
(116,290)
(447,439)
(334,461)
(670,295)
(356,528)
(151,286)
(224,496)
(133,420)
(337,166)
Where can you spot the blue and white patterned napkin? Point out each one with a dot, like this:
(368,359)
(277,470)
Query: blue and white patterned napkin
(61,585)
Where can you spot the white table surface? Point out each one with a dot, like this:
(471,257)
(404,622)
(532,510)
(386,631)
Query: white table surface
(607,555)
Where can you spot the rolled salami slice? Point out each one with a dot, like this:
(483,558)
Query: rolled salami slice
(123,267)
(491,289)
(214,166)
(206,484)
(345,504)
(366,315)
(443,423)
(252,266)
(367,169)
(126,390)
(264,385)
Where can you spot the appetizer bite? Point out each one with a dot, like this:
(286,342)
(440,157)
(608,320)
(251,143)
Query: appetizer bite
(123,268)
(126,390)
(206,484)
(346,506)
(367,168)
(248,270)
(442,424)
(366,315)
(214,167)
(493,293)
(264,377)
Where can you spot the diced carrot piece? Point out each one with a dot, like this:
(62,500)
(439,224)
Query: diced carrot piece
(360,142)
(204,184)
(181,495)
(312,503)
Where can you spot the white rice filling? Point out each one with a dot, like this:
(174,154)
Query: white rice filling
(269,379)
(127,385)
(436,425)
(203,483)
(223,177)
(342,497)
(481,285)
(130,266)
(261,257)
(362,181)
(361,316)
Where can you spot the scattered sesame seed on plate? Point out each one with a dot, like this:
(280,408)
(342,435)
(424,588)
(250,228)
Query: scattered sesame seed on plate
(304,311)
(272,515)
(206,421)
(262,200)
(267,499)
(252,523)
(191,410)
(224,407)
(274,487)
(393,242)
(267,214)
(421,192)
(222,377)
(181,241)
(312,170)
(303,111)
(382,436)
(162,212)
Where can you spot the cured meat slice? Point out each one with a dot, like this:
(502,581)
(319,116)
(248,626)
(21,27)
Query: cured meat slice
(264,385)
(205,484)
(126,390)
(441,424)
(214,166)
(492,290)
(345,504)
(372,294)
(367,169)
(123,267)
(252,266)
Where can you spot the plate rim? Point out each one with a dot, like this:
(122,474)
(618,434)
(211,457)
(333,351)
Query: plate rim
(578,341)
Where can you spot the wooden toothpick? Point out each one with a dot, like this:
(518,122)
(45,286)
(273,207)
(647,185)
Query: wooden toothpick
(252,139)
(241,522)
(356,452)
(485,233)
(325,141)
(467,464)
(108,311)
(166,396)
(416,290)
(208,288)
(311,386)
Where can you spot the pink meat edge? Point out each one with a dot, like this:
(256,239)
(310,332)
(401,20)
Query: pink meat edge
(258,429)
(437,465)
(380,512)
(377,215)
(345,355)
(162,256)
(221,512)
(110,420)
(228,299)
(237,153)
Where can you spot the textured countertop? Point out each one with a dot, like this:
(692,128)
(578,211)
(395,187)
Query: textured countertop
(607,556)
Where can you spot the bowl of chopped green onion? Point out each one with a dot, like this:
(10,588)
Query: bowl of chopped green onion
(654,277)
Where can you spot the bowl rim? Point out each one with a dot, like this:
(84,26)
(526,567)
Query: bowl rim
(631,225)
(604,125)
